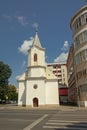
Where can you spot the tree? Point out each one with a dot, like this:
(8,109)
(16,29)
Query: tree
(5,73)
(12,93)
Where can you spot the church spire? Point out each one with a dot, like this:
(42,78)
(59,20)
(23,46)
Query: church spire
(36,41)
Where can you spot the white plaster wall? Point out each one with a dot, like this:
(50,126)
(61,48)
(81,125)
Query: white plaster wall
(83,103)
(37,72)
(41,57)
(32,93)
(52,95)
(22,94)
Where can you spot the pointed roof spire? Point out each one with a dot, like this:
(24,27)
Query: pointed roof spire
(36,41)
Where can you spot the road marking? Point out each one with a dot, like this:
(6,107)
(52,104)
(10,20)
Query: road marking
(35,123)
(64,127)
(65,124)
(67,121)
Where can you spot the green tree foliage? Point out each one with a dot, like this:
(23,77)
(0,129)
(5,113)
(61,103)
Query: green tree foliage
(5,73)
(12,93)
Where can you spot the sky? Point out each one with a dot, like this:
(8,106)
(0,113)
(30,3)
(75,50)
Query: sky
(18,21)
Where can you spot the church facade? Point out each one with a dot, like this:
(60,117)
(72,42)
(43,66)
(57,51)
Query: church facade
(38,86)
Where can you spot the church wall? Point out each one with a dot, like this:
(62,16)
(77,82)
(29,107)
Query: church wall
(38,72)
(39,92)
(52,95)
(41,85)
(40,57)
(22,94)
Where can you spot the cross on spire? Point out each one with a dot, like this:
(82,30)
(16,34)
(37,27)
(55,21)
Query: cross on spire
(35,26)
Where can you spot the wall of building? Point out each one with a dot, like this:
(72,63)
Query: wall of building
(22,94)
(52,93)
(38,92)
(59,70)
(40,57)
(79,28)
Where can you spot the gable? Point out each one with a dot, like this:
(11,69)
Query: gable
(21,77)
(49,74)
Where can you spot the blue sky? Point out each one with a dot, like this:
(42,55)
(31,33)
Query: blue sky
(18,19)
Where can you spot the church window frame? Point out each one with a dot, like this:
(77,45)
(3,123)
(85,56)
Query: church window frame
(35,57)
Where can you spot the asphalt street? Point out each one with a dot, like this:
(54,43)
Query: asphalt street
(45,119)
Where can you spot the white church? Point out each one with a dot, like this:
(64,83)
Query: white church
(38,86)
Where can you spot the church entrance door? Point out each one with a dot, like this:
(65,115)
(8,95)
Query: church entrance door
(35,102)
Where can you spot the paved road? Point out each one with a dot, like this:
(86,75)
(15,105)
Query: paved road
(21,119)
(24,119)
(67,120)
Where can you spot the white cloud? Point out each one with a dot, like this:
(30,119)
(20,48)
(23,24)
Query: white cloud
(22,20)
(61,58)
(23,64)
(35,26)
(65,46)
(26,46)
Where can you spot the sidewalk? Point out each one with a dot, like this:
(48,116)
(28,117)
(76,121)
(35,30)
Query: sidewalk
(64,108)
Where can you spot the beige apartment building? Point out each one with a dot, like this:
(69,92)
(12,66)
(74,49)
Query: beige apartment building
(59,70)
(72,90)
(78,26)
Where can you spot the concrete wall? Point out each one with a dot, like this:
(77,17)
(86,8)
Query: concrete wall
(52,95)
(22,93)
(40,57)
(39,92)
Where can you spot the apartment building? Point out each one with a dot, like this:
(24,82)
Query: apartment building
(59,70)
(72,88)
(78,26)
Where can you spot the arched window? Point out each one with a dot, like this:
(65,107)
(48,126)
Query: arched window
(35,57)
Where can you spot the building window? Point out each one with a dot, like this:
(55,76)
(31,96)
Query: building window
(84,72)
(84,88)
(85,36)
(81,56)
(80,74)
(82,38)
(35,57)
(86,54)
(35,86)
(77,59)
(82,20)
(63,75)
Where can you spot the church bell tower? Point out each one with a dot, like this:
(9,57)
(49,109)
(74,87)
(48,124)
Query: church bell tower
(36,59)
